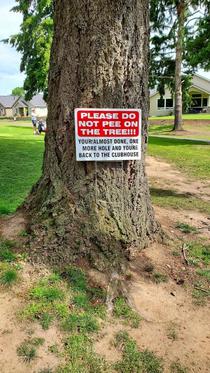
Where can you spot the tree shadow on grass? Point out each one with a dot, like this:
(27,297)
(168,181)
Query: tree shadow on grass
(158,192)
(169,142)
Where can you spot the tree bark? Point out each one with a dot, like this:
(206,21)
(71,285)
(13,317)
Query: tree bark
(100,211)
(181,8)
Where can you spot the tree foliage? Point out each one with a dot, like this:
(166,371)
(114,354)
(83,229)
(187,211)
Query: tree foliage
(34,43)
(18,91)
(199,43)
(164,37)
(35,38)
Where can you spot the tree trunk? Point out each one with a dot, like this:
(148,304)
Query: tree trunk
(181,7)
(97,210)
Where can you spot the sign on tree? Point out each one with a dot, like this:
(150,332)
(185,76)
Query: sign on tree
(108,134)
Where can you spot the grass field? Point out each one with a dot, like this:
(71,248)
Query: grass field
(191,158)
(201,131)
(185,117)
(21,159)
(20,167)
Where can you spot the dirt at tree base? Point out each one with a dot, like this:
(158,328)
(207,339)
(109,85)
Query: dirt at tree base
(12,226)
(163,307)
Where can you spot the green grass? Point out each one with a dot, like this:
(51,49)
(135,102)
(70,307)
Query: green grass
(27,352)
(47,293)
(8,277)
(124,311)
(177,367)
(27,349)
(76,278)
(6,254)
(71,301)
(180,201)
(191,158)
(80,322)
(198,131)
(159,277)
(185,117)
(81,358)
(172,331)
(198,253)
(134,360)
(21,158)
(204,273)
(186,228)
(200,297)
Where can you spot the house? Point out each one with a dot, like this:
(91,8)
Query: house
(12,106)
(16,106)
(38,106)
(200,98)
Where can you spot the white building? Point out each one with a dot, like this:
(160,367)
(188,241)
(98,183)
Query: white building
(200,98)
(38,106)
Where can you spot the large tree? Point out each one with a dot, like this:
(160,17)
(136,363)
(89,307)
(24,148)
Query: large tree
(102,210)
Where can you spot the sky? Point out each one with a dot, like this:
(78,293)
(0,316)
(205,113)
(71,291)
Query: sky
(10,76)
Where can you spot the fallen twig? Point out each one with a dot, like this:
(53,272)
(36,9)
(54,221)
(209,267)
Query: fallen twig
(201,289)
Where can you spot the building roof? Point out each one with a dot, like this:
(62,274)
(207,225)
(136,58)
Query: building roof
(8,101)
(38,101)
(198,82)
(201,83)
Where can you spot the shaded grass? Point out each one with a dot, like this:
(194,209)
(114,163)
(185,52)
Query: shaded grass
(186,228)
(6,254)
(21,157)
(185,117)
(191,158)
(170,198)
(191,131)
(8,277)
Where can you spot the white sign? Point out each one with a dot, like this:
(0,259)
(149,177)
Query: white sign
(108,134)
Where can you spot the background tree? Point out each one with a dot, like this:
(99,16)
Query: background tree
(102,210)
(18,91)
(34,42)
(173,23)
(199,42)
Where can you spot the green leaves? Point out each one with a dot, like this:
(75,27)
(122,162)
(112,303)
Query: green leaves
(34,43)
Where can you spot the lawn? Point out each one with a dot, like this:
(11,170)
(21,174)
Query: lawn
(203,116)
(191,131)
(190,157)
(21,157)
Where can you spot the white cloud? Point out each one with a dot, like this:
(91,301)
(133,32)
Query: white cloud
(10,21)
